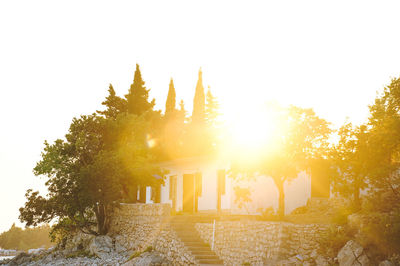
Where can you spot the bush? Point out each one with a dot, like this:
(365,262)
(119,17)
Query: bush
(135,255)
(335,238)
(24,239)
(300,210)
(148,249)
(340,216)
(381,233)
(269,214)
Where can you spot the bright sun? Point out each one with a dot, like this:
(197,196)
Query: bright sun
(253,130)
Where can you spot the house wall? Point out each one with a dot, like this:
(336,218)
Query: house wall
(208,199)
(264,193)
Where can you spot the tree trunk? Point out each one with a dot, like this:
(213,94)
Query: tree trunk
(281,208)
(101,217)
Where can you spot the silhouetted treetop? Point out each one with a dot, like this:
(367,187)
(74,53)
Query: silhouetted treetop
(138,96)
(171,101)
(115,105)
(198,115)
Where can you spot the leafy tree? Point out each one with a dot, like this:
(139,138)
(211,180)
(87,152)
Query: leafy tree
(138,95)
(115,105)
(89,172)
(19,239)
(301,139)
(385,140)
(351,156)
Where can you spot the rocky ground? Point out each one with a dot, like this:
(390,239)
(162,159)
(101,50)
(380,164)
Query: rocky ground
(58,258)
(100,251)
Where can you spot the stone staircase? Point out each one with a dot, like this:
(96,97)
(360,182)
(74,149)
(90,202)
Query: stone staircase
(184,228)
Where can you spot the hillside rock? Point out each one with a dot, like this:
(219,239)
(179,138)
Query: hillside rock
(148,259)
(101,246)
(352,254)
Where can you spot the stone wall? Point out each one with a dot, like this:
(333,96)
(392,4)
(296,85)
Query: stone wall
(260,242)
(134,227)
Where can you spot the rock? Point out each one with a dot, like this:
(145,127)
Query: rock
(21,258)
(314,254)
(100,246)
(386,263)
(352,254)
(321,261)
(147,259)
(119,248)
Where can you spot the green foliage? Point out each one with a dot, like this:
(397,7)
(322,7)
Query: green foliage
(302,140)
(352,159)
(115,105)
(340,215)
(269,214)
(94,168)
(138,95)
(138,253)
(385,140)
(300,210)
(148,249)
(382,232)
(135,255)
(24,239)
(335,238)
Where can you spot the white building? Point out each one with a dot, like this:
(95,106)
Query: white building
(192,185)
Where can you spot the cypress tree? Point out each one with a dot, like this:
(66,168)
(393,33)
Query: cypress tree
(115,105)
(170,104)
(198,114)
(138,95)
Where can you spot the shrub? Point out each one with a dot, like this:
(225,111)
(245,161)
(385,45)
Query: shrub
(300,210)
(135,255)
(148,249)
(381,233)
(269,214)
(340,216)
(335,238)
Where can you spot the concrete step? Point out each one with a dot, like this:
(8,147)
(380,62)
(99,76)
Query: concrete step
(208,261)
(199,249)
(187,233)
(203,252)
(196,244)
(185,229)
(206,257)
(189,238)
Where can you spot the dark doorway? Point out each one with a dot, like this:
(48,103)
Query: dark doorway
(188,193)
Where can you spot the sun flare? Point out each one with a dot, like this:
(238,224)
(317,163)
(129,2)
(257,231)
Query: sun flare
(253,131)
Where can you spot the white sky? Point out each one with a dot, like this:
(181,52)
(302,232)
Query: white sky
(57,59)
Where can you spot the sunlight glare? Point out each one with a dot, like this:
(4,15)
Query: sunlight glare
(253,130)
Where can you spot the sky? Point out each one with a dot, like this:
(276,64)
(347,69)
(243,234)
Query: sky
(58,58)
